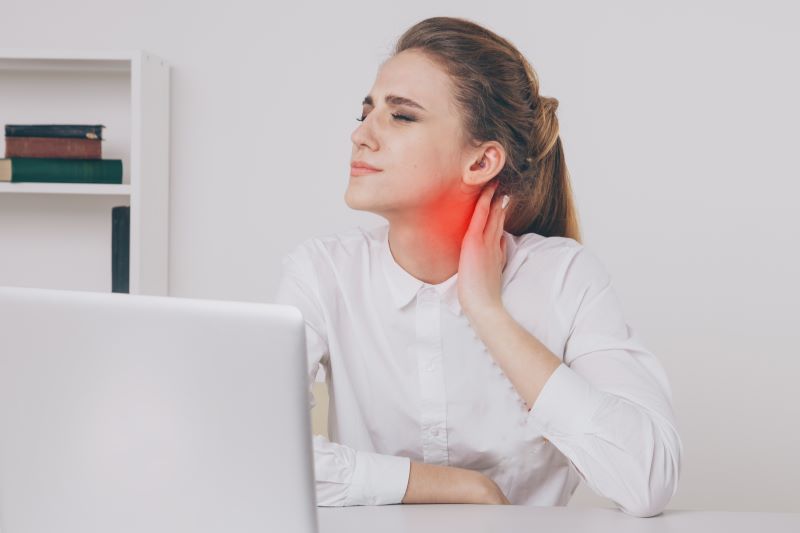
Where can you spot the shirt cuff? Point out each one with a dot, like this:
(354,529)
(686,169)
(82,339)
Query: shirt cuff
(378,479)
(566,404)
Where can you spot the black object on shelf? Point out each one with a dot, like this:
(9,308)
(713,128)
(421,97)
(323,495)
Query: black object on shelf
(80,131)
(120,248)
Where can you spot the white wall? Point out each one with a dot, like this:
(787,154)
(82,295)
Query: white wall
(680,125)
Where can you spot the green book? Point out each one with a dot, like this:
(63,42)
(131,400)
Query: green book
(46,170)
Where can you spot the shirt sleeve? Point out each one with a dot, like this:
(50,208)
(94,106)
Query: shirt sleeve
(608,406)
(344,476)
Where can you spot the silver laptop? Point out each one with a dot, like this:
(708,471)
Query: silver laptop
(131,413)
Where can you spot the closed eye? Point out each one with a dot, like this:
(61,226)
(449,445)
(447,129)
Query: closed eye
(397,116)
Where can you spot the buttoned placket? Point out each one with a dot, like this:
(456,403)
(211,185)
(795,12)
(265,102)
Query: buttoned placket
(433,423)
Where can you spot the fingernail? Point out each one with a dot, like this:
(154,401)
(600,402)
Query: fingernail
(505,201)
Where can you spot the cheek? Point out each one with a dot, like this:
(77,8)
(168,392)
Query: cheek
(428,163)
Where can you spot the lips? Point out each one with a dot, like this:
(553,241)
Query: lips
(363,165)
(360,168)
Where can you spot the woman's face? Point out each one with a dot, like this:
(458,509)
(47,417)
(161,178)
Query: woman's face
(420,151)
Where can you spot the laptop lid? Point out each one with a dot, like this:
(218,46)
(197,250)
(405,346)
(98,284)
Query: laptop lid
(139,413)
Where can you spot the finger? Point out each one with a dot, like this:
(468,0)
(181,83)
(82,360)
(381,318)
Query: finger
(482,208)
(490,231)
(501,226)
(498,226)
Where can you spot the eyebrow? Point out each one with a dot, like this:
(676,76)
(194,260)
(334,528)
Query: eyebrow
(393,99)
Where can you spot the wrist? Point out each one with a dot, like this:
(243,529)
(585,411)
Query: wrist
(484,488)
(487,317)
(480,488)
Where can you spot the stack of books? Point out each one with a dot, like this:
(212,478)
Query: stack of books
(57,153)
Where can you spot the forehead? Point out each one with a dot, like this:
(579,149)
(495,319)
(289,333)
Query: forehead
(413,75)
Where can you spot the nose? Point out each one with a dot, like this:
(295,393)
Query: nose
(364,135)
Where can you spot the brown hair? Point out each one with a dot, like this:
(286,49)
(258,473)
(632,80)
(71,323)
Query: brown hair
(497,91)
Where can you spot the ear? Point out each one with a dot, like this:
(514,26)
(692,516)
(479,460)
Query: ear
(484,163)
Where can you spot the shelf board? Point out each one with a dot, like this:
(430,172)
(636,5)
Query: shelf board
(27,59)
(98,189)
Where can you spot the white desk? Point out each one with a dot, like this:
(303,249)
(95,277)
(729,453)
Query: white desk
(518,518)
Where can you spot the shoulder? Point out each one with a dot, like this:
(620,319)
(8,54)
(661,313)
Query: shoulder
(539,243)
(535,247)
(571,262)
(336,249)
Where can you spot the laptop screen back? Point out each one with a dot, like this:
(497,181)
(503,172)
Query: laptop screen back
(143,413)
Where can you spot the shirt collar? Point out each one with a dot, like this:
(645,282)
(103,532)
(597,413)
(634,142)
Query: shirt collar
(403,286)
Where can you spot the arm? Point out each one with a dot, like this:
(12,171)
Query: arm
(430,483)
(607,408)
(522,357)
(345,476)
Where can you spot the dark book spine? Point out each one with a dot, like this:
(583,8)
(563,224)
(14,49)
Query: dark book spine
(42,170)
(81,131)
(53,147)
(120,248)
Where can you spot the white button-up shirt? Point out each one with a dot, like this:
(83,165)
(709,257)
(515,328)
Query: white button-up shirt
(409,379)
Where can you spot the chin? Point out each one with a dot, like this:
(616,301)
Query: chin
(364,202)
(356,201)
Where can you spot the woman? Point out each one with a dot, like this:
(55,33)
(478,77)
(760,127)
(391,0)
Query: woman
(474,351)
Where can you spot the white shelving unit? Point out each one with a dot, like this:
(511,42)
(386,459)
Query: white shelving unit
(59,235)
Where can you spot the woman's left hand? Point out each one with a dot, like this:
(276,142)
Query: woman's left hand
(483,256)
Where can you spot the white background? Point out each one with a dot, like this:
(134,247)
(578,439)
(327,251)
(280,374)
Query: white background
(680,126)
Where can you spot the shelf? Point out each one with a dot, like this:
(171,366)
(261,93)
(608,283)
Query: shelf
(50,235)
(102,189)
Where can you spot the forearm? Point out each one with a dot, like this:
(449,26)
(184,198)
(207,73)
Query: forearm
(624,451)
(428,483)
(526,362)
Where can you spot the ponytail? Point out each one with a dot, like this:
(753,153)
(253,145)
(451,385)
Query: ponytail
(547,206)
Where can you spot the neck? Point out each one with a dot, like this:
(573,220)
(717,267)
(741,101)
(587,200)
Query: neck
(429,246)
